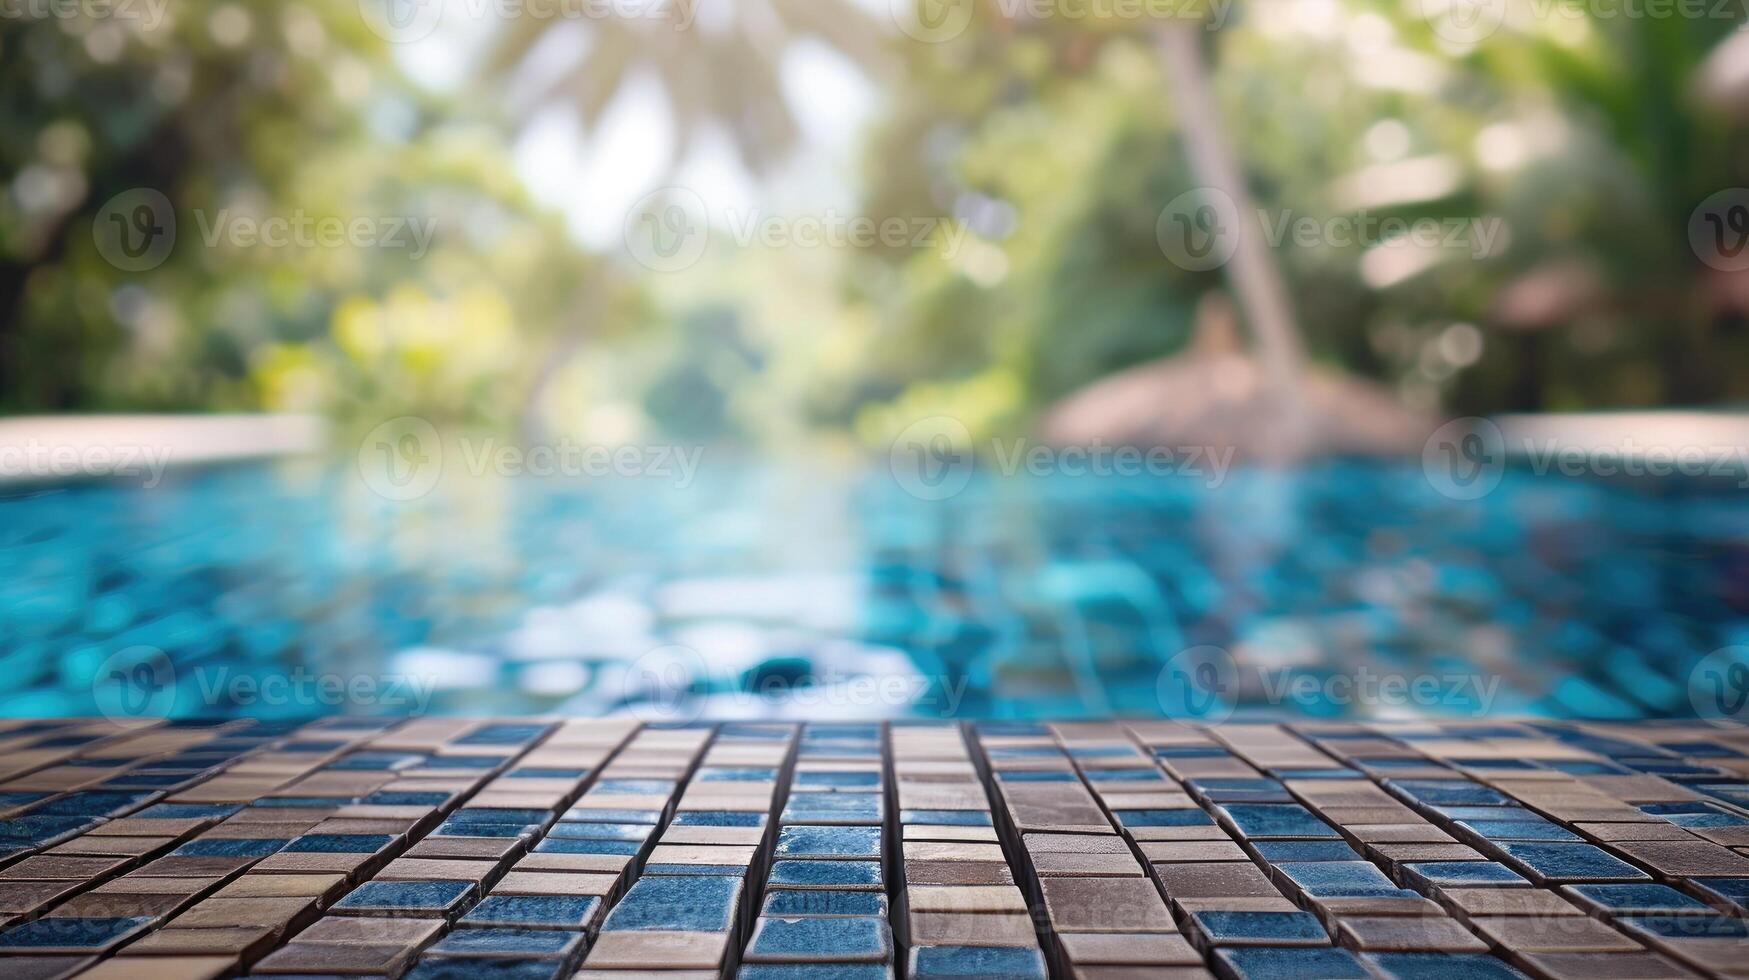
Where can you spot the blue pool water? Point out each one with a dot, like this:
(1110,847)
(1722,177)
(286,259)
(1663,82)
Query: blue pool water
(1346,588)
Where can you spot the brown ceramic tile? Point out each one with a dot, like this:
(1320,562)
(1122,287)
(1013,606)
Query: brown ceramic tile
(1408,934)
(1552,934)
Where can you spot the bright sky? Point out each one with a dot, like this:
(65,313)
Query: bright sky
(595,179)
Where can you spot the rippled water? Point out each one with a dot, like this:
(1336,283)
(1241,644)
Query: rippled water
(1340,589)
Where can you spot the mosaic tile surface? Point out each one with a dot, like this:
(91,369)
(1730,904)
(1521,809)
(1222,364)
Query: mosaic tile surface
(605,849)
(1035,597)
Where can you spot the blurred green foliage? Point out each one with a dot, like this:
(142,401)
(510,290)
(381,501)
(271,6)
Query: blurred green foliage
(1054,141)
(259,110)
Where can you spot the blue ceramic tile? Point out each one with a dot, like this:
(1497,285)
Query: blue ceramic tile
(451,828)
(1123,775)
(829,842)
(718,774)
(1733,890)
(1265,963)
(637,787)
(1449,792)
(718,818)
(496,815)
(389,761)
(504,942)
(432,896)
(946,818)
(568,845)
(712,870)
(1440,966)
(187,811)
(812,939)
(601,831)
(533,911)
(70,932)
(1570,862)
(1460,874)
(815,971)
(1279,851)
(298,802)
(1224,928)
(799,902)
(547,772)
(1339,879)
(847,779)
(1713,926)
(583,815)
(1189,817)
(1636,898)
(1519,830)
(481,968)
(1276,820)
(245,847)
(826,874)
(1036,776)
(339,844)
(692,904)
(387,798)
(502,734)
(91,804)
(827,808)
(980,962)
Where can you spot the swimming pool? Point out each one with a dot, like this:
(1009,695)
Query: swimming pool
(1345,588)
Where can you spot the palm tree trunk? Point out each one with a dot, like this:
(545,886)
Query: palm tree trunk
(1255,278)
